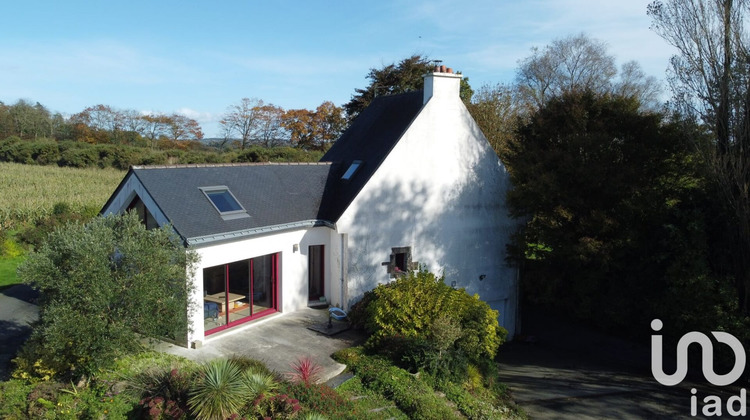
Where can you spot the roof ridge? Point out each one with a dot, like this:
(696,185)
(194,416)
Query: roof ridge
(393,95)
(229,165)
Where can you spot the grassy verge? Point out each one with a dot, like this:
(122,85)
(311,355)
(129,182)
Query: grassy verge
(8,270)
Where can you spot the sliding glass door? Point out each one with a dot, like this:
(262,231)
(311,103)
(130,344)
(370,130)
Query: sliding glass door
(239,292)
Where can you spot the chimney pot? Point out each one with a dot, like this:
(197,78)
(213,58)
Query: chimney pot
(441,83)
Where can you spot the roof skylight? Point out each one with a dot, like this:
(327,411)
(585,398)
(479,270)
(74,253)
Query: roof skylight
(352,169)
(224,202)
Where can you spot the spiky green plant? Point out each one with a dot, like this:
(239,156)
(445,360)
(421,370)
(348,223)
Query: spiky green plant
(259,384)
(248,363)
(219,391)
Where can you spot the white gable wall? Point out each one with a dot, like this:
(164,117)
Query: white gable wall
(440,191)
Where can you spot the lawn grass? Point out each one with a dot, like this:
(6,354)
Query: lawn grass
(8,270)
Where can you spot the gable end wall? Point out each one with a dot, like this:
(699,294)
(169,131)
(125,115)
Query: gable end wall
(131,187)
(440,191)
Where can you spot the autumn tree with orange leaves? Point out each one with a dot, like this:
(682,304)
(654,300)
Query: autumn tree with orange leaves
(314,130)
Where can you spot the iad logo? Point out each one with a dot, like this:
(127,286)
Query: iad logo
(712,404)
(707,349)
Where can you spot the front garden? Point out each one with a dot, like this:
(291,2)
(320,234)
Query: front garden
(420,365)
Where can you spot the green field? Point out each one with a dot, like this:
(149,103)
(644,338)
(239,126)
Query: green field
(8,270)
(29,192)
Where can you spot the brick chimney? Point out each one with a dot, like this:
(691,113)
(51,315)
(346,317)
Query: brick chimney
(441,83)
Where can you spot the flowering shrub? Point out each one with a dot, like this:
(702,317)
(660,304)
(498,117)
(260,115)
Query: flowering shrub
(323,399)
(157,408)
(34,371)
(280,407)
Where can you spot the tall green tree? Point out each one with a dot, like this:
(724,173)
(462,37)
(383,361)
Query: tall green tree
(105,286)
(406,76)
(613,201)
(710,80)
(495,110)
(25,120)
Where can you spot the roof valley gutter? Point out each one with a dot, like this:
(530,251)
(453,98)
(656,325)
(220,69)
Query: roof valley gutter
(228,236)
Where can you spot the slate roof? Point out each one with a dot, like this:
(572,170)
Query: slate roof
(369,139)
(274,195)
(279,195)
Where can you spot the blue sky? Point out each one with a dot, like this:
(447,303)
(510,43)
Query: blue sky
(197,58)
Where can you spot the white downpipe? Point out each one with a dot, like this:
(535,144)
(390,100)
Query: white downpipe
(343,242)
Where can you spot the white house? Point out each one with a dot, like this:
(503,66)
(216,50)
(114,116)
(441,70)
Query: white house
(412,181)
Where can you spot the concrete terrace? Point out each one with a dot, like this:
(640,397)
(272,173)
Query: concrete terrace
(278,341)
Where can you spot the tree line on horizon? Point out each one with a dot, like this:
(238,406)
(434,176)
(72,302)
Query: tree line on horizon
(250,122)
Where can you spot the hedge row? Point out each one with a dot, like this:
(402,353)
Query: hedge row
(86,155)
(412,396)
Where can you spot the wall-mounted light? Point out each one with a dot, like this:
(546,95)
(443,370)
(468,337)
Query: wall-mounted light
(482,277)
(295,248)
(453,284)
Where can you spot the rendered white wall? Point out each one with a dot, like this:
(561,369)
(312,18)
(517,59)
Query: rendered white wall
(293,267)
(441,191)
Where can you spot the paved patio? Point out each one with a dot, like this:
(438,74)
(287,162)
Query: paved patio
(278,341)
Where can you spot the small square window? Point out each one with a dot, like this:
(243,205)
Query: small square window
(400,262)
(224,202)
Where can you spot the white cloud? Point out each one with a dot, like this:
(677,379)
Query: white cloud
(200,116)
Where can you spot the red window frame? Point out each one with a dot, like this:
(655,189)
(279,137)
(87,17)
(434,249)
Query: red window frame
(274,296)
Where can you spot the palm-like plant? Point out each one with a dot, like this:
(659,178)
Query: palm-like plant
(219,391)
(259,384)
